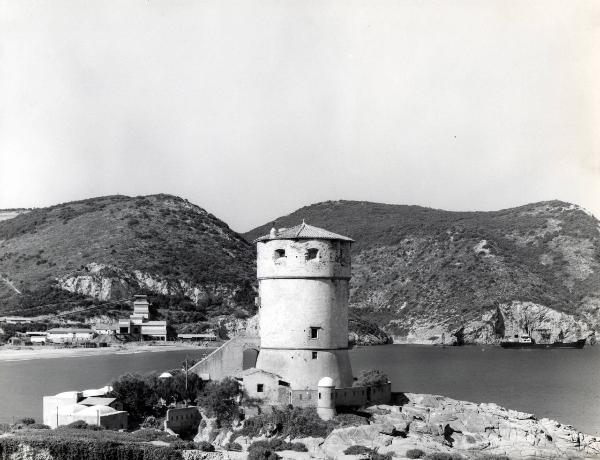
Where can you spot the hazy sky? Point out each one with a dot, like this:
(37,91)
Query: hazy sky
(252,109)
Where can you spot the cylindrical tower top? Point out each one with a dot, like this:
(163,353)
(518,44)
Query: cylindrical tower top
(303,251)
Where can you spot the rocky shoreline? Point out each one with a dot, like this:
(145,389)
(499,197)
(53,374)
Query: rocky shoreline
(434,425)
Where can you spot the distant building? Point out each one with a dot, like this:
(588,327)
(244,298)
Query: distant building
(197,337)
(139,325)
(105,328)
(37,337)
(16,320)
(69,335)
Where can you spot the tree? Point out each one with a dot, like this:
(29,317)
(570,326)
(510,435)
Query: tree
(373,378)
(137,393)
(219,399)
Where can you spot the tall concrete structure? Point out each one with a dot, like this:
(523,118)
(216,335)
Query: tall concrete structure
(303,274)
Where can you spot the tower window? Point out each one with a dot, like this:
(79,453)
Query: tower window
(312,254)
(279,253)
(260,387)
(314,355)
(314,332)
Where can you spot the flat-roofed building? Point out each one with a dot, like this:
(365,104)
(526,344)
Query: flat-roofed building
(68,335)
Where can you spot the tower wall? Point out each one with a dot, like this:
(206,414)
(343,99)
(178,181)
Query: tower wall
(303,289)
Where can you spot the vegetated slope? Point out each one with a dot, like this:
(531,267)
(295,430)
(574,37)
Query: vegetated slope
(6,214)
(426,275)
(109,248)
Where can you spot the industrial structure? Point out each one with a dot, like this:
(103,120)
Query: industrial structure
(139,326)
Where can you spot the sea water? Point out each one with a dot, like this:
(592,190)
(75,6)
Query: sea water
(560,384)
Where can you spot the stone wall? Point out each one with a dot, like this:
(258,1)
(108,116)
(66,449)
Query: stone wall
(183,419)
(227,360)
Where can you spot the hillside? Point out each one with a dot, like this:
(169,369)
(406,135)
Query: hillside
(428,275)
(6,214)
(101,251)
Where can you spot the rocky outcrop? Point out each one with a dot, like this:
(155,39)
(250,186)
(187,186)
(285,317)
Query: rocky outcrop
(433,423)
(105,282)
(506,320)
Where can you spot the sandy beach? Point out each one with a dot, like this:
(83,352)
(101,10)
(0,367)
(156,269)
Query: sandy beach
(48,352)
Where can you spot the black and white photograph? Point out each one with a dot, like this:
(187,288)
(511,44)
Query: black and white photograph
(299,229)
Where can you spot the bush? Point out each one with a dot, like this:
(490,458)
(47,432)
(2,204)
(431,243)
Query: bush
(206,446)
(180,444)
(218,399)
(358,450)
(298,447)
(78,425)
(370,453)
(261,453)
(277,445)
(414,453)
(151,434)
(27,421)
(77,444)
(233,446)
(293,422)
(344,420)
(38,426)
(372,378)
(443,456)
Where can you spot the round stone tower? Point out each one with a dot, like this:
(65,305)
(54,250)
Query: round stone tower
(303,274)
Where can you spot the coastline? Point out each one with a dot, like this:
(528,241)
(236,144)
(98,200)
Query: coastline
(45,352)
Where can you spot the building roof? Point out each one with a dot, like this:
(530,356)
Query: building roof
(196,336)
(104,326)
(302,232)
(95,400)
(254,370)
(96,391)
(97,410)
(58,330)
(326,382)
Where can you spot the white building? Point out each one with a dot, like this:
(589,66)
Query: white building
(105,328)
(71,406)
(67,335)
(138,324)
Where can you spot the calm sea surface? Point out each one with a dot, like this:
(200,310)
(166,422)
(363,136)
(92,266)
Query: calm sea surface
(559,384)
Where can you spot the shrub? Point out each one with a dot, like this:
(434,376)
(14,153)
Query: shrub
(414,453)
(180,444)
(206,446)
(78,425)
(370,453)
(372,377)
(219,400)
(76,444)
(27,421)
(233,446)
(344,420)
(358,450)
(443,456)
(293,422)
(298,447)
(151,434)
(38,426)
(261,453)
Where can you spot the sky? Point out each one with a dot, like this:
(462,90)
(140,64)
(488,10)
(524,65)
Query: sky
(252,109)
